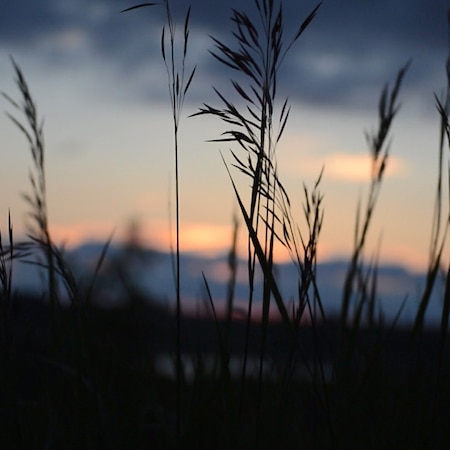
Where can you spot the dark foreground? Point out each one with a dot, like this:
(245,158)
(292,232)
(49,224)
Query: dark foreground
(104,379)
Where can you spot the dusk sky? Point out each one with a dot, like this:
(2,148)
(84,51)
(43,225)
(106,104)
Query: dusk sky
(99,80)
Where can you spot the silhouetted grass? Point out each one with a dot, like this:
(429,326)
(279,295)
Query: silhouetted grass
(75,375)
(179,82)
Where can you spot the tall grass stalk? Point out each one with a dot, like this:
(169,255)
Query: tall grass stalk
(39,225)
(233,267)
(440,227)
(256,59)
(6,277)
(302,248)
(379,146)
(437,244)
(179,80)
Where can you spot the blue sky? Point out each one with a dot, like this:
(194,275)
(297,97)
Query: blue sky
(99,81)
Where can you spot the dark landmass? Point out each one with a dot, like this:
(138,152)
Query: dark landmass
(91,380)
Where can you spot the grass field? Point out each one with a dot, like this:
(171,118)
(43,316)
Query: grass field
(74,375)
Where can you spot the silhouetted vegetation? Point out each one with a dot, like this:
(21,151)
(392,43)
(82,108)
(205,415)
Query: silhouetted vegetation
(76,374)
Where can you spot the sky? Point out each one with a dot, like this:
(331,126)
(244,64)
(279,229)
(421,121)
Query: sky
(99,81)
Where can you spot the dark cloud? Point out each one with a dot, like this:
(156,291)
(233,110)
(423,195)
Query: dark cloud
(21,22)
(349,51)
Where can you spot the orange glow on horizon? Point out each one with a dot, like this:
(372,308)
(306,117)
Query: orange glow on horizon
(201,237)
(76,234)
(211,240)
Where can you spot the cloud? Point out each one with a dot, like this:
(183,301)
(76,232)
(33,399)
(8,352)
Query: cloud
(357,168)
(348,52)
(342,166)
